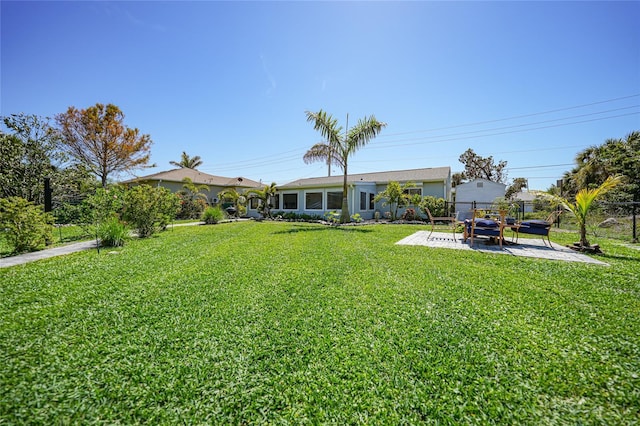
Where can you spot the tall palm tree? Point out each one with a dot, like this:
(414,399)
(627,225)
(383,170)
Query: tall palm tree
(339,146)
(264,195)
(187,162)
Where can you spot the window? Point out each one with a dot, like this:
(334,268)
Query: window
(253,203)
(479,184)
(290,201)
(275,201)
(363,200)
(313,201)
(371,201)
(334,200)
(413,191)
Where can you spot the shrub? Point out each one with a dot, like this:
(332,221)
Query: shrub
(26,226)
(191,208)
(410,214)
(105,203)
(332,216)
(436,205)
(149,209)
(113,233)
(212,215)
(356,218)
(67,213)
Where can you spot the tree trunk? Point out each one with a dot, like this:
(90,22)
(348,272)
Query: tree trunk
(583,235)
(345,217)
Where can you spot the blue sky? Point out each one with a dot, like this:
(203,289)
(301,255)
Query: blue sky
(531,83)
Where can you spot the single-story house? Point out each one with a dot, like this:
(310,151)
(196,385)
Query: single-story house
(479,193)
(319,195)
(174,180)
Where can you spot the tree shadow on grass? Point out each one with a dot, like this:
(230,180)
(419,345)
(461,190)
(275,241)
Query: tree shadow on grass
(325,228)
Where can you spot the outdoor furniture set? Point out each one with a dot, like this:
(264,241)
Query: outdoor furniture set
(493,224)
(488,223)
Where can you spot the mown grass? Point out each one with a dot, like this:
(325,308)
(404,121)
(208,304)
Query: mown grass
(249,323)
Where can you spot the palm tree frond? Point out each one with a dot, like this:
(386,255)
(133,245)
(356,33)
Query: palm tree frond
(326,125)
(365,130)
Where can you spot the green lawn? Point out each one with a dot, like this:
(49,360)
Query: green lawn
(249,323)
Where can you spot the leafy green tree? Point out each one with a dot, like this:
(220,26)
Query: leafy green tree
(596,163)
(28,155)
(395,195)
(265,195)
(340,146)
(622,157)
(97,138)
(187,162)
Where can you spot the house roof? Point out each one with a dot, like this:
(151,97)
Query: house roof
(525,196)
(197,177)
(434,174)
(475,181)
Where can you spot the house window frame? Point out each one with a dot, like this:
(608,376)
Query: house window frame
(372,203)
(341,197)
(364,197)
(321,193)
(284,203)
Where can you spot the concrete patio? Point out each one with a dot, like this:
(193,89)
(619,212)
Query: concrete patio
(526,247)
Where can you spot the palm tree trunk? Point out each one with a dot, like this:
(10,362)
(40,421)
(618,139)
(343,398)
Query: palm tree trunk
(583,235)
(344,215)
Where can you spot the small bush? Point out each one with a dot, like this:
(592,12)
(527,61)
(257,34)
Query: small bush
(332,216)
(191,208)
(149,209)
(26,226)
(113,233)
(410,214)
(356,218)
(212,215)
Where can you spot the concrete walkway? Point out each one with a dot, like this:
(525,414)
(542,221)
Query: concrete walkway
(61,250)
(526,247)
(20,259)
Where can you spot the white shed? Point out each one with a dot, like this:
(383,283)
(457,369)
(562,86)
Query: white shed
(482,192)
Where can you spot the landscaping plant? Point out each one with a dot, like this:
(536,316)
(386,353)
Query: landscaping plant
(581,207)
(112,232)
(26,227)
(149,209)
(212,215)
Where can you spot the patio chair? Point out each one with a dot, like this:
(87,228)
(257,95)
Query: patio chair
(481,224)
(447,219)
(538,227)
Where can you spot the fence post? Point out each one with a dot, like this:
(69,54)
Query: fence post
(47,194)
(633,213)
